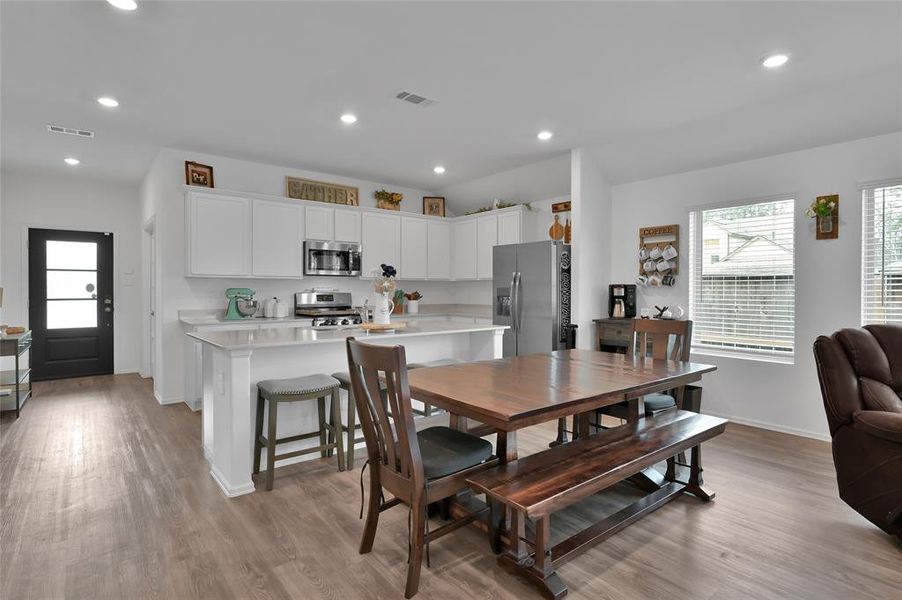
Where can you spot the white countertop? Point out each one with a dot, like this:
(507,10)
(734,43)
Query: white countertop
(250,339)
(196,317)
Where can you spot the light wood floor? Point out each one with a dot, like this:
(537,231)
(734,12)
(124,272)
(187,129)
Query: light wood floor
(105,494)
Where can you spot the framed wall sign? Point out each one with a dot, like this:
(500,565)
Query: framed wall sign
(320,191)
(198,174)
(434,206)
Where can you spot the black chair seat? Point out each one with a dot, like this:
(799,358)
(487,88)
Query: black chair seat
(445,451)
(657,402)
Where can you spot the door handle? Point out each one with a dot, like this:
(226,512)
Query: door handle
(519,316)
(513,300)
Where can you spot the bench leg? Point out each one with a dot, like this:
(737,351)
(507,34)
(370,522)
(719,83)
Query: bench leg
(694,486)
(538,569)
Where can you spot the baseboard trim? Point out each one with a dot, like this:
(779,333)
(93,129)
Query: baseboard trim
(230,490)
(126,371)
(195,404)
(771,426)
(160,400)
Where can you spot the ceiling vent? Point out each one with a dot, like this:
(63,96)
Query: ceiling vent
(70,131)
(415,99)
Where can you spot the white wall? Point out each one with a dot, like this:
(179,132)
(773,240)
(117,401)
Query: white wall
(529,183)
(777,396)
(592,226)
(162,196)
(53,202)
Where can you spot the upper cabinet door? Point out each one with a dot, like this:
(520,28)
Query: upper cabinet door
(380,245)
(219,236)
(438,252)
(486,239)
(463,247)
(414,248)
(510,227)
(318,223)
(347,226)
(278,240)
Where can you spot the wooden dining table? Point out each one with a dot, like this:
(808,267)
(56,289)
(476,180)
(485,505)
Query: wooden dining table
(508,394)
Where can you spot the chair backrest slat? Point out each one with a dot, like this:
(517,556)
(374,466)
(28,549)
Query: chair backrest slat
(386,415)
(658,334)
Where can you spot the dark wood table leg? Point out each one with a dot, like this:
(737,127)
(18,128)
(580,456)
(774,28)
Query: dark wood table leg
(581,425)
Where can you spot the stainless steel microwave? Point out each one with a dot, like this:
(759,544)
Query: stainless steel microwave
(331,258)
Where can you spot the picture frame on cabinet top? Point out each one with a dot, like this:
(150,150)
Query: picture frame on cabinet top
(434,206)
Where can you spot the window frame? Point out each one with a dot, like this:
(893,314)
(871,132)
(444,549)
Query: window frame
(867,189)
(695,261)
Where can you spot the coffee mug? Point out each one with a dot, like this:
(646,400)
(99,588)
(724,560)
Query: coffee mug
(669,252)
(655,253)
(663,265)
(645,313)
(643,253)
(649,266)
(642,280)
(655,280)
(668,280)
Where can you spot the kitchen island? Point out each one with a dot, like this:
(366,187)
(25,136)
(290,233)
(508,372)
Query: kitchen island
(235,360)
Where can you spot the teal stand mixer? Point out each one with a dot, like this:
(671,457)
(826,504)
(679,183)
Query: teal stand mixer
(241,303)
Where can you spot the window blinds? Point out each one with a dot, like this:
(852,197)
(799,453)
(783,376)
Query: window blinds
(881,255)
(742,278)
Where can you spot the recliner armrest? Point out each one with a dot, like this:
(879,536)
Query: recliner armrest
(879,423)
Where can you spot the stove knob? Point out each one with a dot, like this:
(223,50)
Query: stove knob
(345,322)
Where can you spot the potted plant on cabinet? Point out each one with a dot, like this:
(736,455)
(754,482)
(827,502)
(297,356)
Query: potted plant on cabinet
(388,200)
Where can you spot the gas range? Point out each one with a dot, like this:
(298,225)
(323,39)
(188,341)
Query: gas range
(327,309)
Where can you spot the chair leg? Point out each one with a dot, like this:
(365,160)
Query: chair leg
(417,541)
(258,431)
(352,428)
(336,428)
(323,433)
(271,445)
(372,511)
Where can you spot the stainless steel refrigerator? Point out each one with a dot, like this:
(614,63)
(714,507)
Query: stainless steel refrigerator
(532,295)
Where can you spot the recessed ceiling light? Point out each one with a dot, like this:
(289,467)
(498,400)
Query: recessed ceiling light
(108,102)
(348,119)
(439,170)
(775,60)
(545,135)
(71,161)
(124,4)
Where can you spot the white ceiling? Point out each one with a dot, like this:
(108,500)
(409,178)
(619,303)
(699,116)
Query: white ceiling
(658,87)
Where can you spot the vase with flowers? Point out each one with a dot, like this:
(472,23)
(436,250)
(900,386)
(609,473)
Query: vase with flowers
(824,210)
(384,285)
(388,200)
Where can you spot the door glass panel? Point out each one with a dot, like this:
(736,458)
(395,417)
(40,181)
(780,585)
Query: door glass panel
(71,284)
(66,314)
(71,255)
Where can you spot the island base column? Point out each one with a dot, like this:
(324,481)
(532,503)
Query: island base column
(232,435)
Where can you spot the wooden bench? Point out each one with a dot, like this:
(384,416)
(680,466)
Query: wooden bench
(538,485)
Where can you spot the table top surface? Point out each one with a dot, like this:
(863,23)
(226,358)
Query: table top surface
(515,392)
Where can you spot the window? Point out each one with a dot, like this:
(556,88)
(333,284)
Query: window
(742,278)
(881,255)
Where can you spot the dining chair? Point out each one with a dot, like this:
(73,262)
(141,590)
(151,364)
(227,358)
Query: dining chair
(417,468)
(660,340)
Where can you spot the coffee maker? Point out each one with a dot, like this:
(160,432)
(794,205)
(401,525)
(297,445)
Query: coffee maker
(622,301)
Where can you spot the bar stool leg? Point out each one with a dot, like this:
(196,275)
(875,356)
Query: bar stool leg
(352,428)
(336,428)
(271,445)
(258,431)
(323,437)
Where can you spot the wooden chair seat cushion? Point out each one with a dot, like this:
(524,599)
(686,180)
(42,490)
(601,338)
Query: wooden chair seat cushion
(550,480)
(656,402)
(446,451)
(296,386)
(344,379)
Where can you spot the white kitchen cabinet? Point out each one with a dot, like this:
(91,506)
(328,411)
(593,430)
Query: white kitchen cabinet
(486,239)
(463,247)
(414,248)
(278,234)
(347,226)
(318,223)
(510,228)
(438,250)
(380,244)
(218,236)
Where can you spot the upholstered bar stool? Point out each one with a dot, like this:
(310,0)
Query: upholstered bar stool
(279,391)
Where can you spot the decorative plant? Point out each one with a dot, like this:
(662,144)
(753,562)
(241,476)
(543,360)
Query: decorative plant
(385,279)
(413,296)
(398,298)
(821,207)
(386,196)
(497,205)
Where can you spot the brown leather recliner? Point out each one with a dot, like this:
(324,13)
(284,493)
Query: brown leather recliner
(860,372)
